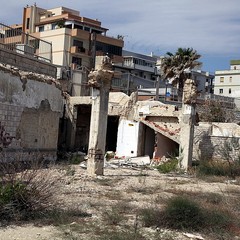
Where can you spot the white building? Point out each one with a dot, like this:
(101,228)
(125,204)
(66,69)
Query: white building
(227,82)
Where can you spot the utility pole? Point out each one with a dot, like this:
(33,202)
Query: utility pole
(157,89)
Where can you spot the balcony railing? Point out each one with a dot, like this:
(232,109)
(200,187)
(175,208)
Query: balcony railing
(79,50)
(16,40)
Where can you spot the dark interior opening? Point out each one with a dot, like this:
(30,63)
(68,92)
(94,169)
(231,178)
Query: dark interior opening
(112,130)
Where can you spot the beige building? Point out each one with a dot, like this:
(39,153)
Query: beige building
(76,40)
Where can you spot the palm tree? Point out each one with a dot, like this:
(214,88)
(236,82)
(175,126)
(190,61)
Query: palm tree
(177,67)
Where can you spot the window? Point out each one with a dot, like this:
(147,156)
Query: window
(28,22)
(77,43)
(77,61)
(54,25)
(41,28)
(108,48)
(220,91)
(229,90)
(221,79)
(230,79)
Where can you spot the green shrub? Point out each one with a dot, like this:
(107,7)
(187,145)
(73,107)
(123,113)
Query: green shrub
(168,166)
(183,213)
(219,168)
(24,193)
(217,220)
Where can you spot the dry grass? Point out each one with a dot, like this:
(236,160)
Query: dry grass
(111,207)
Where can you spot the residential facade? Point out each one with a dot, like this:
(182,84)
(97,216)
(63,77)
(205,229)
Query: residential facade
(227,82)
(76,40)
(136,71)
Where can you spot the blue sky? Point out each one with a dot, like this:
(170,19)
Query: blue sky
(212,27)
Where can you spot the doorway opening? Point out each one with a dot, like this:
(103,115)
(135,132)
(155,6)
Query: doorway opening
(83,127)
(112,131)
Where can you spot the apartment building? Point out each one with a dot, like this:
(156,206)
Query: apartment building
(204,80)
(76,40)
(227,82)
(137,71)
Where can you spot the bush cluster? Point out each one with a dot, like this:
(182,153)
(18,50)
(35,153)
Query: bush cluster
(182,213)
(24,193)
(168,166)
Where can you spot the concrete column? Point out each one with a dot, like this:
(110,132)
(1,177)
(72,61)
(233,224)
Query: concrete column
(186,136)
(187,123)
(100,80)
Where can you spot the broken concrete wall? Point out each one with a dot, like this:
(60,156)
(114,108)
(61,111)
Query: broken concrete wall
(30,107)
(209,139)
(27,63)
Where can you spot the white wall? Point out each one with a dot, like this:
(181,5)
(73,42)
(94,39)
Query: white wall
(231,81)
(127,139)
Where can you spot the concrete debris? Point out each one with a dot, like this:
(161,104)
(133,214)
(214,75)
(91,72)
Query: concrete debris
(83,165)
(192,236)
(123,162)
(131,161)
(79,153)
(231,181)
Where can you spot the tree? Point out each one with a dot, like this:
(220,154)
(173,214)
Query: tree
(216,112)
(177,67)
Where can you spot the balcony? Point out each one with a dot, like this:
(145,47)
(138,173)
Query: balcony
(79,51)
(80,34)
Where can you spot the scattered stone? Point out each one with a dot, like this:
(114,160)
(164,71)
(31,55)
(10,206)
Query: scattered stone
(192,236)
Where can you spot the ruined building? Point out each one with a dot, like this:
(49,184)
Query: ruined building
(30,105)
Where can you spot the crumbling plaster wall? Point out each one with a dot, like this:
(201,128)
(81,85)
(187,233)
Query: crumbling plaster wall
(210,137)
(30,107)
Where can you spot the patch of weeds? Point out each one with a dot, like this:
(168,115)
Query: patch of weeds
(180,210)
(213,198)
(70,170)
(123,207)
(182,213)
(113,195)
(143,189)
(217,220)
(113,216)
(151,216)
(107,181)
(169,166)
(216,168)
(76,159)
(58,217)
(104,181)
(24,193)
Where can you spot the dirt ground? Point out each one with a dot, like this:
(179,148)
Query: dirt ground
(127,188)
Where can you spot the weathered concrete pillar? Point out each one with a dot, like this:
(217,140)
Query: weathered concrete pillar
(100,81)
(186,136)
(187,121)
